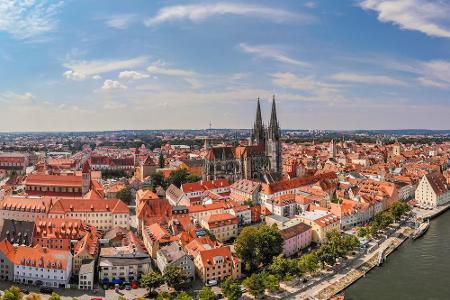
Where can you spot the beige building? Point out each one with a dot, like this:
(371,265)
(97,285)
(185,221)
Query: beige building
(104,214)
(24,208)
(432,190)
(321,223)
(222,226)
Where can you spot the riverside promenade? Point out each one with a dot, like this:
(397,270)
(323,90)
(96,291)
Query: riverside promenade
(331,285)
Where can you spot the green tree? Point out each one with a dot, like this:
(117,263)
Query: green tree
(183,296)
(363,232)
(255,284)
(193,178)
(163,296)
(258,245)
(176,278)
(178,177)
(308,263)
(13,293)
(158,179)
(125,195)
(271,282)
(207,294)
(231,288)
(34,296)
(284,268)
(54,296)
(152,280)
(161,160)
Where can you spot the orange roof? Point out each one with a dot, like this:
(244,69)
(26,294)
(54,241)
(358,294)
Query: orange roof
(40,256)
(207,256)
(53,180)
(65,205)
(30,204)
(295,183)
(206,207)
(66,228)
(219,220)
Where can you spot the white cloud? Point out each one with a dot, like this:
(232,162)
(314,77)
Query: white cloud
(311,4)
(74,75)
(132,75)
(120,21)
(435,73)
(367,79)
(25,19)
(113,85)
(272,53)
(113,105)
(80,70)
(190,77)
(320,90)
(14,98)
(428,16)
(199,12)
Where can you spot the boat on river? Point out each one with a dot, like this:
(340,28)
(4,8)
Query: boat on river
(420,231)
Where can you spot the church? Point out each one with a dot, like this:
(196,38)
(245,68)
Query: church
(260,160)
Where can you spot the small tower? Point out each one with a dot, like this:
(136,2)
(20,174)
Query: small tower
(332,149)
(397,149)
(86,178)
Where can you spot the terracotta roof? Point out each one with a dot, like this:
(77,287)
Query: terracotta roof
(49,228)
(437,182)
(53,180)
(40,256)
(65,205)
(294,230)
(206,207)
(219,220)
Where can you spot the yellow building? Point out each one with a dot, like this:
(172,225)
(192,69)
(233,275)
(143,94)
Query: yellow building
(321,223)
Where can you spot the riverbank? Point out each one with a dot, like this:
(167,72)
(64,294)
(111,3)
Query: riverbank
(426,214)
(340,282)
(375,258)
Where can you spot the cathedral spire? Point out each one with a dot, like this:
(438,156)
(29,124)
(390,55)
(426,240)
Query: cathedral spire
(258,128)
(273,116)
(258,113)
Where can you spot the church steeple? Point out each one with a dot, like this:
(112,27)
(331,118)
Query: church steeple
(274,128)
(273,148)
(258,113)
(258,134)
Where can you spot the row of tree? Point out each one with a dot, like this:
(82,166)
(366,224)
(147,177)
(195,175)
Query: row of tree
(15,293)
(176,178)
(383,219)
(173,276)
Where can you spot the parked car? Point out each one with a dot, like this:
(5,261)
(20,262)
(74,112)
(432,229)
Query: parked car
(45,290)
(211,283)
(127,287)
(25,291)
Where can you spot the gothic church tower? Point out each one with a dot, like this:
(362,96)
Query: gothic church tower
(273,142)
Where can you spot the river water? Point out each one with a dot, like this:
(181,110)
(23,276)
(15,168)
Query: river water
(418,269)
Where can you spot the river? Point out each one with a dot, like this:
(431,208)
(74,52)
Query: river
(418,269)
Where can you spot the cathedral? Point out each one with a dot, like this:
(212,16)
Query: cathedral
(260,160)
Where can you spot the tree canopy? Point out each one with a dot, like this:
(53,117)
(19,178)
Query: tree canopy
(207,294)
(176,278)
(152,280)
(231,288)
(125,195)
(258,246)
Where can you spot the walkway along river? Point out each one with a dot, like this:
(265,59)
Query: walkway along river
(418,269)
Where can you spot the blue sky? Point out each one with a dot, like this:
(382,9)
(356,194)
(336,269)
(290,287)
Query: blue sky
(110,64)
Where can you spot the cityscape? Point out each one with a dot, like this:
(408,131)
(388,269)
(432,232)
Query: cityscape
(181,150)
